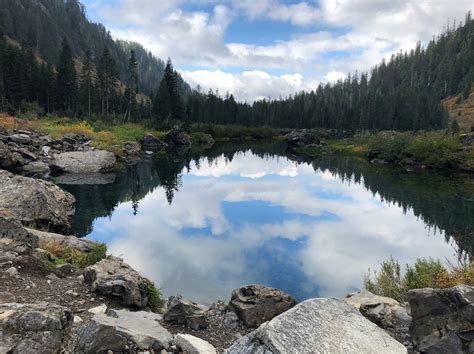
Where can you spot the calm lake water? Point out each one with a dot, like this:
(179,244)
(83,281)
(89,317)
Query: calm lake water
(202,224)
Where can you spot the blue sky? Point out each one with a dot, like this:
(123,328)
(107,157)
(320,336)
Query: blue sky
(273,48)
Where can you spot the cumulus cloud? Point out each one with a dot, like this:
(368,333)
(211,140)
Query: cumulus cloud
(327,40)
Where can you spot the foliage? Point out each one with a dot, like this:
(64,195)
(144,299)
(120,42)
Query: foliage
(65,254)
(153,294)
(426,273)
(387,282)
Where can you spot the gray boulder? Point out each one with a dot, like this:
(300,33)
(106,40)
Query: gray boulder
(184,312)
(36,169)
(12,229)
(318,326)
(385,312)
(192,345)
(33,328)
(152,143)
(124,331)
(177,138)
(115,279)
(467,139)
(36,203)
(20,138)
(85,161)
(44,238)
(256,304)
(74,179)
(443,319)
(300,138)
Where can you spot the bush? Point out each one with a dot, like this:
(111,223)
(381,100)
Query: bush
(387,282)
(153,294)
(64,254)
(426,273)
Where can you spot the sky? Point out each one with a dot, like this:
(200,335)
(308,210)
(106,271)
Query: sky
(273,48)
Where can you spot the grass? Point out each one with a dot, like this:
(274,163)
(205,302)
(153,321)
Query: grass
(63,254)
(425,273)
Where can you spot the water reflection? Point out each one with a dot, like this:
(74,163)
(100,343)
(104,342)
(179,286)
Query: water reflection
(202,224)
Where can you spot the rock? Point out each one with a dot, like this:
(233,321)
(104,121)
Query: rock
(13,230)
(6,298)
(231,320)
(36,169)
(318,326)
(132,149)
(9,159)
(153,144)
(385,312)
(20,138)
(113,278)
(45,238)
(184,312)
(98,310)
(45,150)
(121,328)
(77,320)
(443,319)
(36,203)
(193,345)
(203,139)
(33,328)
(85,161)
(177,138)
(467,139)
(65,269)
(256,304)
(13,272)
(302,138)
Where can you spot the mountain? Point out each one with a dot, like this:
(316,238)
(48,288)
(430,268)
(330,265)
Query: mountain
(43,24)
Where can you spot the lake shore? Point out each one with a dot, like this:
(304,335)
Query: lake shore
(72,282)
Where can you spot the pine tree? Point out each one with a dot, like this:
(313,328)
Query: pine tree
(87,81)
(162,105)
(132,84)
(107,81)
(66,81)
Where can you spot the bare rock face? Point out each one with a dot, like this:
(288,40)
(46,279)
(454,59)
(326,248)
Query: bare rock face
(33,328)
(185,312)
(118,330)
(318,326)
(36,203)
(443,319)
(115,279)
(256,304)
(85,161)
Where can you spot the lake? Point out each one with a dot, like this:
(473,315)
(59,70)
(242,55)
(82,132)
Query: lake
(203,223)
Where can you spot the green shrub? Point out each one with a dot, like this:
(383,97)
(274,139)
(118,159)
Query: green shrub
(426,273)
(63,254)
(153,294)
(434,149)
(387,282)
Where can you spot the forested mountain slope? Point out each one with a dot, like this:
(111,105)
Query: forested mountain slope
(43,24)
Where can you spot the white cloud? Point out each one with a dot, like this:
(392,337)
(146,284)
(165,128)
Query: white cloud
(356,35)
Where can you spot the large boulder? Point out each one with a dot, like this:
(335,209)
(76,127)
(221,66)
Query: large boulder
(177,138)
(44,238)
(152,143)
(256,304)
(184,312)
(85,161)
(318,326)
(33,328)
(443,319)
(385,312)
(124,331)
(36,203)
(114,278)
(300,138)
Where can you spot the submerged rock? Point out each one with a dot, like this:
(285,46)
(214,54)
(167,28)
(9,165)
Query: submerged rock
(33,328)
(124,331)
(184,312)
(36,203)
(256,304)
(443,319)
(115,279)
(85,161)
(318,326)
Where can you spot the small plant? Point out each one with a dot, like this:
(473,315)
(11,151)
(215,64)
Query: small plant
(387,282)
(153,294)
(64,254)
(426,273)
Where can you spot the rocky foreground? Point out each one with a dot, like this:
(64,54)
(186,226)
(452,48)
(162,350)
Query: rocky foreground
(63,294)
